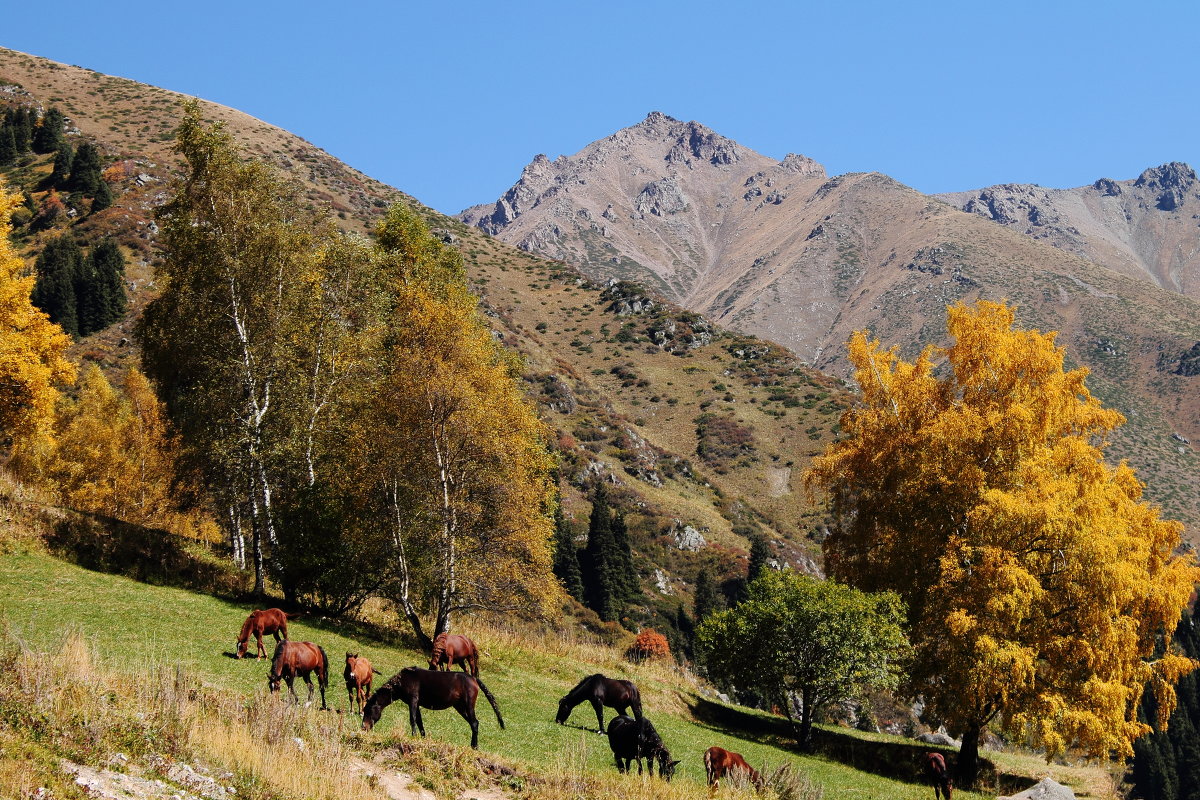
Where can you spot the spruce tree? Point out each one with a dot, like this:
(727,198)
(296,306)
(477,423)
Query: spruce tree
(566,557)
(49,134)
(108,265)
(760,553)
(23,130)
(103,197)
(85,170)
(58,268)
(8,147)
(602,583)
(630,585)
(62,165)
(706,599)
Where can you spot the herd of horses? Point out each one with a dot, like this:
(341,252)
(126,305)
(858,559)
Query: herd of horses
(631,739)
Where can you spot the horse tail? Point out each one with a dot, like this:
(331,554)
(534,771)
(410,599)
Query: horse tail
(323,673)
(293,616)
(635,700)
(491,700)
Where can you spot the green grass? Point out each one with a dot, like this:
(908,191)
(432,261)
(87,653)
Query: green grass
(132,626)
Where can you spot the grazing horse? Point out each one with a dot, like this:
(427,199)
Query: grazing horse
(635,739)
(358,674)
(939,776)
(450,649)
(426,688)
(719,762)
(297,660)
(601,691)
(271,620)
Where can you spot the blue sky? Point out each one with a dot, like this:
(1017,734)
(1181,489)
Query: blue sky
(448,101)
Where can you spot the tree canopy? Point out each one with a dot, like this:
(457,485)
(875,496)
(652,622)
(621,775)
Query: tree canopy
(796,638)
(1036,578)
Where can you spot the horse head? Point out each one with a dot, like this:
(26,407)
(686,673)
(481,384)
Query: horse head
(239,649)
(666,767)
(564,711)
(273,679)
(375,706)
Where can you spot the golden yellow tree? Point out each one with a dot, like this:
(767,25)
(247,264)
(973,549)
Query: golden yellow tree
(113,453)
(33,363)
(457,447)
(1037,580)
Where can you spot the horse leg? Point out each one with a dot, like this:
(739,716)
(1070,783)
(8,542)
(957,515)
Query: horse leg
(262,651)
(308,682)
(292,689)
(599,707)
(468,713)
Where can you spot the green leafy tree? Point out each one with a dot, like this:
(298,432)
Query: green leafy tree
(1036,578)
(797,640)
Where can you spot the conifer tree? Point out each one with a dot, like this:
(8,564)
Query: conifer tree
(566,557)
(627,578)
(49,134)
(59,267)
(85,171)
(760,553)
(705,600)
(602,570)
(63,159)
(8,147)
(108,266)
(22,126)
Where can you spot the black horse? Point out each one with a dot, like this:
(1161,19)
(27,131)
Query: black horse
(635,739)
(426,688)
(601,691)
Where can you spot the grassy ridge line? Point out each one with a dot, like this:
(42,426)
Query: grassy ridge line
(133,626)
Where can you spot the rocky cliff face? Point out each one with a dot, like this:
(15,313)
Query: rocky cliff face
(779,250)
(1145,228)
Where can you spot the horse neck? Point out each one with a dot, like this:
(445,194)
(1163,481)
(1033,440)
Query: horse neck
(244,636)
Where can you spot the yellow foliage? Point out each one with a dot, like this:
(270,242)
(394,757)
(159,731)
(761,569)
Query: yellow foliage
(114,454)
(32,348)
(1038,582)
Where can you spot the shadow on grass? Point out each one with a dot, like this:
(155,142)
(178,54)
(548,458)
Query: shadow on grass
(902,761)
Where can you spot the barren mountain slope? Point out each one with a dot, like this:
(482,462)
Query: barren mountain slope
(1146,227)
(778,251)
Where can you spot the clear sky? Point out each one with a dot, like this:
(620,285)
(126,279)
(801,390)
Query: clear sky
(448,101)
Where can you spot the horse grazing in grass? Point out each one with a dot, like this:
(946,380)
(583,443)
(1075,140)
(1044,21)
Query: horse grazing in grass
(450,649)
(435,690)
(939,775)
(358,674)
(719,762)
(601,691)
(270,620)
(635,739)
(298,660)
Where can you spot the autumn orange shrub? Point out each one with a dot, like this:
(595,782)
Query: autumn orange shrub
(649,645)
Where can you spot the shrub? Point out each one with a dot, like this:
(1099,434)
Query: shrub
(648,645)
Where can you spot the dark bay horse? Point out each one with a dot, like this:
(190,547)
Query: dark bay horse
(601,691)
(297,660)
(271,621)
(426,688)
(450,649)
(358,674)
(635,739)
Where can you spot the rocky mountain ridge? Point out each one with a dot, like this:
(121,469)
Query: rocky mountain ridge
(779,250)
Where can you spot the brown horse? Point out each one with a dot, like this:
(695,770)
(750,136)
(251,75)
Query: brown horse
(450,649)
(358,674)
(297,660)
(271,620)
(601,691)
(424,688)
(939,775)
(719,762)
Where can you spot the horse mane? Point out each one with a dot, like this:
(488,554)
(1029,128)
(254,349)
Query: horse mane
(583,684)
(244,636)
(277,657)
(439,646)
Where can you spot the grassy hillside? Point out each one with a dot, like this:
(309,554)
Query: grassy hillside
(132,627)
